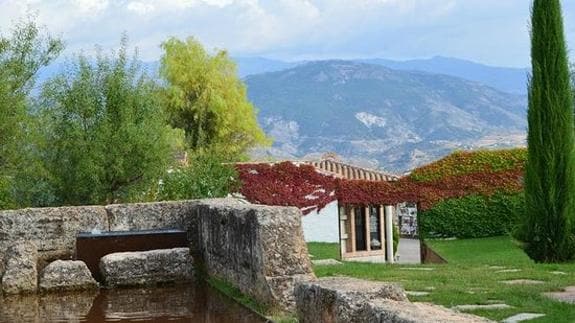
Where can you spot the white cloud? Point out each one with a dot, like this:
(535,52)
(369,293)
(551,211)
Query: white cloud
(491,31)
(140,7)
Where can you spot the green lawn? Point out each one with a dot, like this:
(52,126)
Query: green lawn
(467,278)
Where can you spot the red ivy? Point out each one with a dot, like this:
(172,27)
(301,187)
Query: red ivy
(286,184)
(301,186)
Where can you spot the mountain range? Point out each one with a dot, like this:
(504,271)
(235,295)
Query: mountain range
(389,118)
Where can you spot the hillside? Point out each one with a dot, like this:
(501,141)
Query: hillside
(511,80)
(397,119)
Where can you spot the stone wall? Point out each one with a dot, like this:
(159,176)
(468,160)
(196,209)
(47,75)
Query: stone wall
(258,249)
(53,230)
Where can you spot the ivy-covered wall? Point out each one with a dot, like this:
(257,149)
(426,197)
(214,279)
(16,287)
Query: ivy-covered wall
(480,214)
(472,216)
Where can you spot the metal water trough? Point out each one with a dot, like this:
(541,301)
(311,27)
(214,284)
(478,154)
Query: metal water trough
(91,247)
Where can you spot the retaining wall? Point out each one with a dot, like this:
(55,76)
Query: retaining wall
(258,249)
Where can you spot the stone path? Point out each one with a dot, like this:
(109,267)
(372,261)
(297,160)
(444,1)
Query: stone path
(472,307)
(522,317)
(566,296)
(409,251)
(522,282)
(326,262)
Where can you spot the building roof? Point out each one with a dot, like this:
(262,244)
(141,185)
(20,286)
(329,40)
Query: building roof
(336,168)
(330,165)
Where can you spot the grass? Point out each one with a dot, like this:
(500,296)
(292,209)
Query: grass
(467,278)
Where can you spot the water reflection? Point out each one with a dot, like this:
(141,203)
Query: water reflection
(191,303)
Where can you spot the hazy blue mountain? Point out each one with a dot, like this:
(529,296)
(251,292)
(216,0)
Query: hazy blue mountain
(512,80)
(397,118)
(257,65)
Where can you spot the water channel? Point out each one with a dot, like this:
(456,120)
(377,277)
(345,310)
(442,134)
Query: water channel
(188,303)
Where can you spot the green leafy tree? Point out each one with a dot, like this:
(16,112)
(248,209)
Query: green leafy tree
(206,176)
(106,136)
(547,228)
(205,98)
(22,54)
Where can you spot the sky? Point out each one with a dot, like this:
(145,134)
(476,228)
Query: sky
(493,32)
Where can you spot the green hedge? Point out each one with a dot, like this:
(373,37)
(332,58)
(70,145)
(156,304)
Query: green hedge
(472,216)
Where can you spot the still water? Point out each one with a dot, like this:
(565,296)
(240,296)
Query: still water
(190,303)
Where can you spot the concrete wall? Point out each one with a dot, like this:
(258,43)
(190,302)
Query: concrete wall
(322,226)
(258,249)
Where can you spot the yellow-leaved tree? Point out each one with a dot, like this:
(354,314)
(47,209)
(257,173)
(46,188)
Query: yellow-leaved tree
(205,97)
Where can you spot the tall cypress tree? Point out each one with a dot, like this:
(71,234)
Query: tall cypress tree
(547,230)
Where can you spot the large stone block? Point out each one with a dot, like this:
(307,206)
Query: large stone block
(150,216)
(350,300)
(147,267)
(53,230)
(258,249)
(66,275)
(20,275)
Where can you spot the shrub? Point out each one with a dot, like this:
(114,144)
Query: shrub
(205,177)
(395,239)
(473,216)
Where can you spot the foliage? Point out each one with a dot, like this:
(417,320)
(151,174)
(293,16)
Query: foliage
(286,184)
(291,185)
(466,162)
(205,177)
(547,229)
(106,137)
(473,216)
(430,193)
(22,54)
(395,239)
(206,98)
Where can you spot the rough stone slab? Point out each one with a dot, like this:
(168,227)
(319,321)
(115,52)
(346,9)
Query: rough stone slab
(66,275)
(522,282)
(258,249)
(326,262)
(150,216)
(343,299)
(496,267)
(522,317)
(147,267)
(21,273)
(473,307)
(52,230)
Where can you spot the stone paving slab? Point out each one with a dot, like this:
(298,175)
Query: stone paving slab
(416,293)
(473,307)
(496,267)
(522,317)
(326,262)
(566,296)
(418,268)
(509,270)
(522,282)
(559,273)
